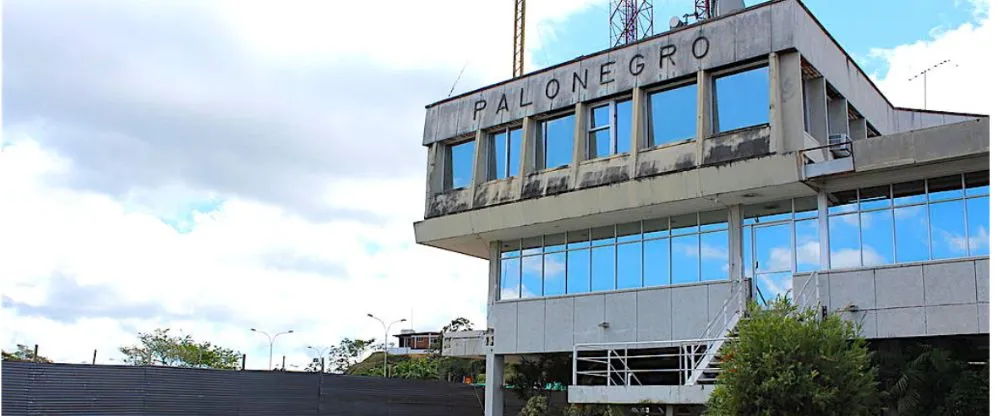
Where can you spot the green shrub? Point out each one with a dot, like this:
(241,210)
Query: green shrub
(788,362)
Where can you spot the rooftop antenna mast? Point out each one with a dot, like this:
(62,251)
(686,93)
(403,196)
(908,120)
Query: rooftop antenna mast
(518,38)
(923,74)
(629,20)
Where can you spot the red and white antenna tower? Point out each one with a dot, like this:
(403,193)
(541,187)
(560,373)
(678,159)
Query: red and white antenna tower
(630,20)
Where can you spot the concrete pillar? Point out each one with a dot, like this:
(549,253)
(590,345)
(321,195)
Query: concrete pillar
(435,178)
(706,115)
(481,159)
(858,129)
(638,129)
(735,242)
(777,143)
(528,146)
(580,150)
(837,116)
(815,90)
(824,230)
(493,288)
(494,385)
(792,109)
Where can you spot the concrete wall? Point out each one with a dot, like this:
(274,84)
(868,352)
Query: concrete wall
(655,314)
(947,297)
(935,144)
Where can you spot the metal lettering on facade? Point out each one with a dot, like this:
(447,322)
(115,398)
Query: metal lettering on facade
(579,79)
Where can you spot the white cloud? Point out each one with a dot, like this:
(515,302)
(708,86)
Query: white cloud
(967,87)
(215,271)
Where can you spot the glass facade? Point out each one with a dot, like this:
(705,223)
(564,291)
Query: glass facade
(938,218)
(668,251)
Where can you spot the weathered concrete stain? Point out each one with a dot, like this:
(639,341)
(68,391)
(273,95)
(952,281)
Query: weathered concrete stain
(532,187)
(448,202)
(557,185)
(653,167)
(496,193)
(741,144)
(609,175)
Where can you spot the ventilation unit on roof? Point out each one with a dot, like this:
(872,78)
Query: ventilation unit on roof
(840,145)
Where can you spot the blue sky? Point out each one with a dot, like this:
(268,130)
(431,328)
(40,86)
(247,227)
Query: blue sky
(885,24)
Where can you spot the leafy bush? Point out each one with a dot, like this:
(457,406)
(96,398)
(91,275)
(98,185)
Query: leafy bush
(788,362)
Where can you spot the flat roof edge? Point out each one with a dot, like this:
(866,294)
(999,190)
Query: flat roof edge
(951,113)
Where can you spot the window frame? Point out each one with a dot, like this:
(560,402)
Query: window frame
(646,141)
(542,142)
(714,77)
(491,173)
(448,177)
(612,126)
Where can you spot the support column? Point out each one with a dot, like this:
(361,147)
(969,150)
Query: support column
(824,230)
(494,385)
(527,147)
(790,95)
(638,129)
(838,116)
(435,174)
(776,112)
(815,90)
(859,129)
(580,139)
(706,116)
(735,242)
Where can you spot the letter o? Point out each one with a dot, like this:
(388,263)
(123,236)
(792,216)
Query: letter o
(548,88)
(694,47)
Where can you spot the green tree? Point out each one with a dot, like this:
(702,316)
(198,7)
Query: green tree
(923,379)
(161,348)
(533,374)
(536,406)
(24,353)
(788,362)
(348,353)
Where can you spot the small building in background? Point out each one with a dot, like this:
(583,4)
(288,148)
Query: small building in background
(410,342)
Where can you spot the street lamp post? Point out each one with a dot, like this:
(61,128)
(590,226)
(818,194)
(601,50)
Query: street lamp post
(319,357)
(385,343)
(270,342)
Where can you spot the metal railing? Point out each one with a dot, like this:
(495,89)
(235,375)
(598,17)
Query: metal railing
(691,358)
(612,362)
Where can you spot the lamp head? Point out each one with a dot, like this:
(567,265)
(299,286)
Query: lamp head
(402,320)
(253,329)
(371,316)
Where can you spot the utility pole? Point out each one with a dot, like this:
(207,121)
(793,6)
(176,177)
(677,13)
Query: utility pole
(385,343)
(923,74)
(93,361)
(270,341)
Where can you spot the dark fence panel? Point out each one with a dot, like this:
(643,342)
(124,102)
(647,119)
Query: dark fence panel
(34,389)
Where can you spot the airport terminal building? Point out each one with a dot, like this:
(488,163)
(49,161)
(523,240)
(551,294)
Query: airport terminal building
(632,201)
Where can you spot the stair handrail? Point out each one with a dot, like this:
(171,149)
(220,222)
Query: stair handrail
(737,297)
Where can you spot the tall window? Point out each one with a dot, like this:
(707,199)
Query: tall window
(554,144)
(742,99)
(780,238)
(505,153)
(676,250)
(458,164)
(610,129)
(673,115)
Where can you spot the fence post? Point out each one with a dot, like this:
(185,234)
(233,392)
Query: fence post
(243,365)
(282,363)
(34,358)
(93,361)
(322,364)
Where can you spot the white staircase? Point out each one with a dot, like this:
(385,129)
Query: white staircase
(669,371)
